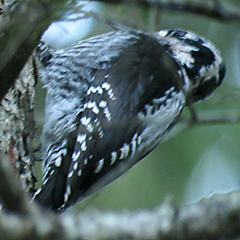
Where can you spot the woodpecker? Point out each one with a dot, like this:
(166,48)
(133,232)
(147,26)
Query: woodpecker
(110,101)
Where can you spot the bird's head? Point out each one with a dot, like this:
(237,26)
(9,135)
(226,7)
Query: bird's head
(201,63)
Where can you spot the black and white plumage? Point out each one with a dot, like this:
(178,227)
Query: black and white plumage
(111,99)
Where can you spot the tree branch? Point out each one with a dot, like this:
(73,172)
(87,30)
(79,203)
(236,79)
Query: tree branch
(209,219)
(212,9)
(21,34)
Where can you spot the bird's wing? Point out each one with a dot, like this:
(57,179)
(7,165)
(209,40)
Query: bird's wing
(142,82)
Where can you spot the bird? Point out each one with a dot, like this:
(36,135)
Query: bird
(111,99)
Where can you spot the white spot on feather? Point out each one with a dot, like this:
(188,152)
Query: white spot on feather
(75,166)
(111,94)
(106,86)
(81,138)
(67,193)
(95,109)
(85,121)
(124,151)
(58,161)
(90,90)
(90,127)
(64,151)
(99,166)
(83,146)
(113,157)
(79,173)
(97,122)
(100,132)
(134,143)
(70,174)
(92,105)
(93,89)
(102,103)
(75,156)
(38,191)
(45,181)
(107,113)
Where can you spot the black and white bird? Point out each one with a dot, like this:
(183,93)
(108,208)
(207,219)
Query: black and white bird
(110,101)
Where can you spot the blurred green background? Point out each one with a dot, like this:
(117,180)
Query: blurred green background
(195,161)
